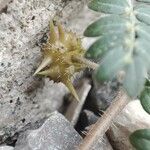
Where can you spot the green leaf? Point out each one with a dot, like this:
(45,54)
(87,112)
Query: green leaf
(147,82)
(145,57)
(135,77)
(109,6)
(130,54)
(140,139)
(145,99)
(142,13)
(104,44)
(143,50)
(107,25)
(143,31)
(112,63)
(146,1)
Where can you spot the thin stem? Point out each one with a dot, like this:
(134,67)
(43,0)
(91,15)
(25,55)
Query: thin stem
(103,123)
(86,62)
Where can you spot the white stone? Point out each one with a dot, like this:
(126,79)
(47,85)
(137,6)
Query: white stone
(6,148)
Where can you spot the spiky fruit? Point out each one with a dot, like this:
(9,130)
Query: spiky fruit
(62,57)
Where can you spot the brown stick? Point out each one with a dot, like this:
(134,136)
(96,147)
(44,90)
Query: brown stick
(102,125)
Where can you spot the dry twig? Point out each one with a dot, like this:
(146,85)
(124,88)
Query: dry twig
(103,123)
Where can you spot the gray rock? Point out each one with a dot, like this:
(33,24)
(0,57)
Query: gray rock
(56,133)
(25,99)
(6,148)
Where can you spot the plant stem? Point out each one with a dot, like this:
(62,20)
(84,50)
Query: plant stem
(86,62)
(103,123)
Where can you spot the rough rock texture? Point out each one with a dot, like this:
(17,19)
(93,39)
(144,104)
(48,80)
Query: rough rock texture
(25,99)
(3,5)
(6,148)
(56,133)
(132,118)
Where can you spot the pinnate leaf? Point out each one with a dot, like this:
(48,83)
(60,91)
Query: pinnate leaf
(130,50)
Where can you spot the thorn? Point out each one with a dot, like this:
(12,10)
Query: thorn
(53,35)
(73,76)
(52,71)
(99,114)
(45,73)
(46,61)
(68,83)
(86,62)
(84,132)
(101,140)
(57,59)
(61,32)
(114,125)
(58,77)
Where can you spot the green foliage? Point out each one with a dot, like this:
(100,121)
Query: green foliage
(103,44)
(134,79)
(112,24)
(145,97)
(146,1)
(118,56)
(140,139)
(107,6)
(142,13)
(123,44)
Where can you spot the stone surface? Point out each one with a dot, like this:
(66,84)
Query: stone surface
(56,133)
(6,148)
(132,118)
(25,99)
(3,5)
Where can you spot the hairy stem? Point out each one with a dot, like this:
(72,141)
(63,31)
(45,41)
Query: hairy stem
(103,123)
(86,62)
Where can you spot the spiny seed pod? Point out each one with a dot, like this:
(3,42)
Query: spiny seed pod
(63,55)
